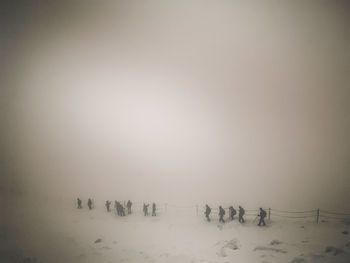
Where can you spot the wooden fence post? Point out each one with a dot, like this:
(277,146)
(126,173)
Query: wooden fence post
(269,214)
(318,215)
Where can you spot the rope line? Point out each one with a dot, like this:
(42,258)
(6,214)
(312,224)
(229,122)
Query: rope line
(293,212)
(177,206)
(335,213)
(335,217)
(294,216)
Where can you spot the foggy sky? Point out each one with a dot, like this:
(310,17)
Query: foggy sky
(178,101)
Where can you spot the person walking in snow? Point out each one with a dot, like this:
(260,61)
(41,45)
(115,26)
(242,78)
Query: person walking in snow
(232,212)
(145,209)
(154,209)
(207,212)
(79,203)
(129,204)
(108,204)
(117,208)
(122,210)
(241,213)
(90,203)
(221,214)
(262,217)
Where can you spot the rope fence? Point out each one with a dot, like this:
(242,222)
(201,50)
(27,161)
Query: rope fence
(335,213)
(317,214)
(295,212)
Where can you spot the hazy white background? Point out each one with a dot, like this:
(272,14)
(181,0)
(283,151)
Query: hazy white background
(178,101)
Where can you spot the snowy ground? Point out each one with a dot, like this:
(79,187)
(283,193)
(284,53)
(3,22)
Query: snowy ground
(178,235)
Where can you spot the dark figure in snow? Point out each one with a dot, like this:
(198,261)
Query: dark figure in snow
(241,214)
(221,214)
(207,212)
(108,204)
(262,217)
(122,210)
(129,204)
(145,209)
(90,203)
(154,209)
(116,206)
(79,203)
(232,212)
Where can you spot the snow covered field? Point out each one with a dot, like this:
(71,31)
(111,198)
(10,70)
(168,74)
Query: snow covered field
(66,234)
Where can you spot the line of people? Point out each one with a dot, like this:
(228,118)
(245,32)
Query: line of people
(233,212)
(89,203)
(117,205)
(145,209)
(120,209)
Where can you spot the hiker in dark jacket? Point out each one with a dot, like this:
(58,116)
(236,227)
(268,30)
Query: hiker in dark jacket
(108,203)
(145,209)
(262,217)
(122,209)
(116,206)
(90,203)
(79,203)
(232,212)
(153,209)
(129,204)
(241,213)
(221,214)
(207,212)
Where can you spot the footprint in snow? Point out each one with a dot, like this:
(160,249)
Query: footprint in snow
(106,247)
